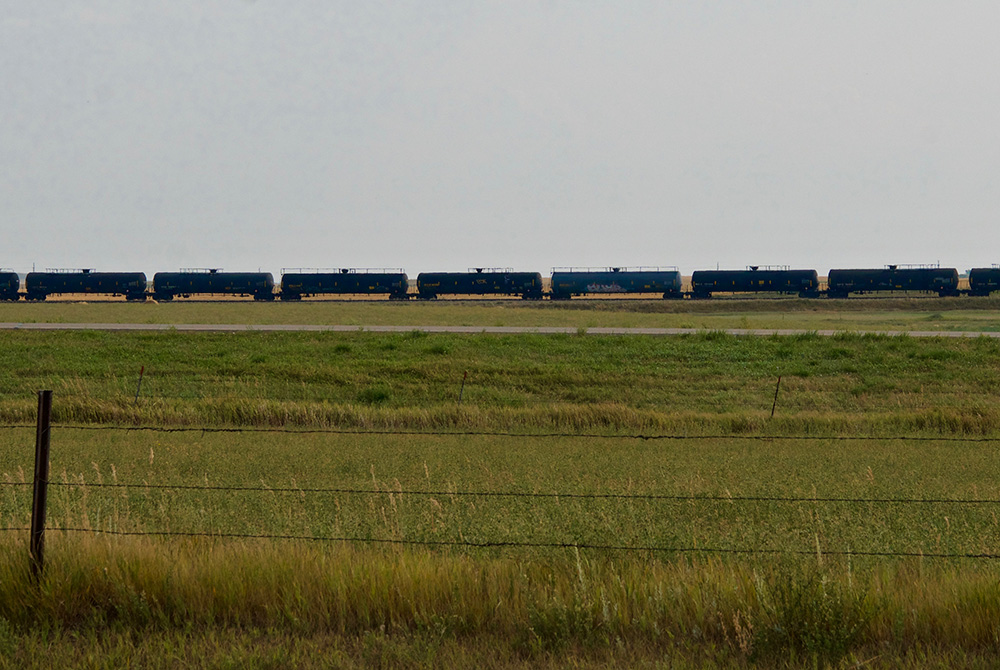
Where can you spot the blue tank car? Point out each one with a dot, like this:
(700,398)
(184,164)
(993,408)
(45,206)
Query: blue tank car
(983,281)
(10,284)
(567,282)
(480,281)
(296,284)
(39,285)
(943,281)
(168,285)
(805,283)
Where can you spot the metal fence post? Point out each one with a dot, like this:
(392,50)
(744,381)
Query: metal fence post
(139,385)
(41,484)
(775,403)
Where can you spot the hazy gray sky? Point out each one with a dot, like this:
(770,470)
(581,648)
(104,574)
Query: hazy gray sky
(443,135)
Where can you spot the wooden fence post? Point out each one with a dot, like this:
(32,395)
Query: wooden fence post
(38,501)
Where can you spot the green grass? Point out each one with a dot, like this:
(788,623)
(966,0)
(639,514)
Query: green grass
(903,313)
(109,600)
(512,606)
(707,383)
(397,468)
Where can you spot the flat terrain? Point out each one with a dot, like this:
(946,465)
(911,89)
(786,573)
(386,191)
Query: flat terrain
(409,500)
(708,382)
(860,314)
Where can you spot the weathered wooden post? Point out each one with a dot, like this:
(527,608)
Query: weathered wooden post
(38,502)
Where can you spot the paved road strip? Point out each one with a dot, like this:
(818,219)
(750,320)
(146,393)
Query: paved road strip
(497,330)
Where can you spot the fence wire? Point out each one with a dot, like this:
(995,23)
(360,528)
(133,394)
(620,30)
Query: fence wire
(506,434)
(487,544)
(500,544)
(529,494)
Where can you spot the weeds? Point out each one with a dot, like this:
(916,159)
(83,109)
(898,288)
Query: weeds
(809,613)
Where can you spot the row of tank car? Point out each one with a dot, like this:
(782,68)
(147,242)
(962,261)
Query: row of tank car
(565,283)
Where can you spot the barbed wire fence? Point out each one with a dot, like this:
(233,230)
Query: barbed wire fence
(41,484)
(752,437)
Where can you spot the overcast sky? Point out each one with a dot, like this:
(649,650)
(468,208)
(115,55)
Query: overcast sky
(436,135)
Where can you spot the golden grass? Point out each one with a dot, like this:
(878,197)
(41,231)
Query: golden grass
(823,612)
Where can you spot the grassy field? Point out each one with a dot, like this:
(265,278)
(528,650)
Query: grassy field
(907,313)
(553,420)
(708,383)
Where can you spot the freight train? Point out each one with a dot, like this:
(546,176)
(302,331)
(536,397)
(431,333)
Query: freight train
(565,283)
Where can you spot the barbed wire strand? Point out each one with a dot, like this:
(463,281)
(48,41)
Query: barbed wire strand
(525,494)
(491,544)
(502,434)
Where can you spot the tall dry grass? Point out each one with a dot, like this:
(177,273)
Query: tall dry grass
(606,418)
(818,611)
